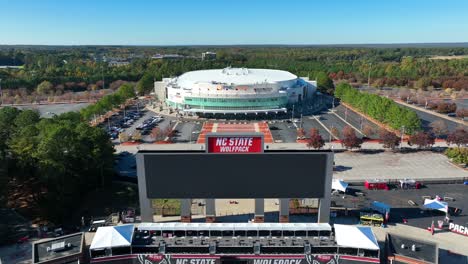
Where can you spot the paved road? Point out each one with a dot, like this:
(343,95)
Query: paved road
(330,120)
(310,123)
(48,111)
(355,119)
(427,119)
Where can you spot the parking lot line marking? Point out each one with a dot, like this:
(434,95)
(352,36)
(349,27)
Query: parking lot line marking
(348,123)
(325,127)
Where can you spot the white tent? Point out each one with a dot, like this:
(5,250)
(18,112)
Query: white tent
(339,185)
(436,205)
(112,236)
(355,237)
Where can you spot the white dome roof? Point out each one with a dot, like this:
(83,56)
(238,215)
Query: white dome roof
(235,76)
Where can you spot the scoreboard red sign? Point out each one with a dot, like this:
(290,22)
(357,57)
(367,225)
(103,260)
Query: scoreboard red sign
(234,144)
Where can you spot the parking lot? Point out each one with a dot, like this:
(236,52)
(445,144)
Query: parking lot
(401,209)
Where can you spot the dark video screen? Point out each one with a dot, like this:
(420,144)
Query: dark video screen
(267,175)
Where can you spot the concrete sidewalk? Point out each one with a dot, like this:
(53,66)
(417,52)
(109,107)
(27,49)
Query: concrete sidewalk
(446,240)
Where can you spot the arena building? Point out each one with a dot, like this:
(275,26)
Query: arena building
(234,91)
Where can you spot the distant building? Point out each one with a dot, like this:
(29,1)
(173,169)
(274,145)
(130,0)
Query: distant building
(208,55)
(400,249)
(115,63)
(64,249)
(167,57)
(10,67)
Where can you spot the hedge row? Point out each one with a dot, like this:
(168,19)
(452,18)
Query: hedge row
(108,102)
(380,108)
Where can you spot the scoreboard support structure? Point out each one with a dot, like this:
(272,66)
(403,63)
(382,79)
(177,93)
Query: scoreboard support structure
(259,211)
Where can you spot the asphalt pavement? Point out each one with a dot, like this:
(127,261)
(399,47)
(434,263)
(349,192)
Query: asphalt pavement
(427,119)
(49,110)
(398,198)
(187,132)
(356,120)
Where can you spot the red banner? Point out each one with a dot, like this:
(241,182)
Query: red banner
(235,144)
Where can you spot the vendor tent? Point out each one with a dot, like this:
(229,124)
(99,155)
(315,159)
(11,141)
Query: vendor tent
(436,205)
(360,237)
(112,236)
(380,207)
(339,185)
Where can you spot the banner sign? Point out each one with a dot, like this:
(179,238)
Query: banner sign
(308,259)
(243,259)
(234,144)
(459,229)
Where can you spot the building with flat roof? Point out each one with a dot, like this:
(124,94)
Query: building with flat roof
(234,91)
(400,249)
(234,243)
(64,249)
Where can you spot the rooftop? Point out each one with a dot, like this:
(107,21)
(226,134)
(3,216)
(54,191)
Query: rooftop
(237,76)
(50,249)
(424,250)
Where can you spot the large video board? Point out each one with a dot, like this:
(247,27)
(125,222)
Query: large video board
(208,175)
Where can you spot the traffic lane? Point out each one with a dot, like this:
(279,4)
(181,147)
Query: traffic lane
(330,120)
(310,122)
(355,119)
(427,119)
(283,132)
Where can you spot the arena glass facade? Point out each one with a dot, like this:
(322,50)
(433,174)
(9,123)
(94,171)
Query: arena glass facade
(233,103)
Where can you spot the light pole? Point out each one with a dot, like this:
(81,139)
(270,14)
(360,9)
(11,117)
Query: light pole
(368,76)
(402,134)
(292,114)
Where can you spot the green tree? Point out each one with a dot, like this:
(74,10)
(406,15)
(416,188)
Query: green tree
(126,91)
(324,83)
(7,127)
(45,87)
(145,84)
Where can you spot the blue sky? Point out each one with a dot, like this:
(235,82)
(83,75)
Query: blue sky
(152,22)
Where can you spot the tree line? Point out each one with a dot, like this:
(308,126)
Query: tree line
(83,67)
(380,108)
(109,102)
(49,164)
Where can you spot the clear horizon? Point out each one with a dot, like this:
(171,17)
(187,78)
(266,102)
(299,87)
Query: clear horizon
(219,23)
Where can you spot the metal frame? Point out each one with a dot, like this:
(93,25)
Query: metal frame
(324,206)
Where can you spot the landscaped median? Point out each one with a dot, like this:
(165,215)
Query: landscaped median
(381,109)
